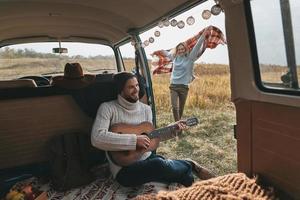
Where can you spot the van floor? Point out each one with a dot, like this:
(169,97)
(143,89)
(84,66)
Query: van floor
(100,189)
(230,186)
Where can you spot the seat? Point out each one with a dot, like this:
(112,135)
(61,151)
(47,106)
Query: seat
(20,83)
(73,77)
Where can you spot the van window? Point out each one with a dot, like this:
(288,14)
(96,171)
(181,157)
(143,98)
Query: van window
(35,59)
(276,26)
(128,55)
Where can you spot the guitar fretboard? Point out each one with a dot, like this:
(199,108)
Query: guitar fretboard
(163,133)
(169,132)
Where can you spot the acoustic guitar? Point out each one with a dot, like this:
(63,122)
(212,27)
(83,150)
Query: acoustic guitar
(125,158)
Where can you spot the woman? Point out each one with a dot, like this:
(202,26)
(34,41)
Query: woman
(182,74)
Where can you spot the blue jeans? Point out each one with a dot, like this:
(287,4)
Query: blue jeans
(157,169)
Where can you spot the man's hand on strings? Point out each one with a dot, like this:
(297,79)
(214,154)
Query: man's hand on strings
(142,142)
(181,125)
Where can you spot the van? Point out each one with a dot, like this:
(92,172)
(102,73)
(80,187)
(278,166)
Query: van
(33,111)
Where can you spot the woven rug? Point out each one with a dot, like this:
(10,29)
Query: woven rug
(235,186)
(101,189)
(107,189)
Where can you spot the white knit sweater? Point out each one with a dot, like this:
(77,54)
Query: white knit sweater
(113,112)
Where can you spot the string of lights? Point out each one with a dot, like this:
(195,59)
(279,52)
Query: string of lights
(165,22)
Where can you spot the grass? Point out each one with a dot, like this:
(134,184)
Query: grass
(211,143)
(211,88)
(15,68)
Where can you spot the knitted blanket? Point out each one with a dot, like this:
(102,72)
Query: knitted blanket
(232,186)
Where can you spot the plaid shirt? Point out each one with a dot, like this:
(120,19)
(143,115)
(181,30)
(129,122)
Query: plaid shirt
(162,62)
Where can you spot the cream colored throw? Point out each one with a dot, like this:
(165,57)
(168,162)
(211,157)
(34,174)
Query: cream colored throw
(229,187)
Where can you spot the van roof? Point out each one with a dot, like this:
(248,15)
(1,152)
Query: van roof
(107,21)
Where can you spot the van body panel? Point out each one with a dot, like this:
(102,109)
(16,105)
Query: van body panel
(268,124)
(27,124)
(268,143)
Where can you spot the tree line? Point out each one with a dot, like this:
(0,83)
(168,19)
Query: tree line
(10,53)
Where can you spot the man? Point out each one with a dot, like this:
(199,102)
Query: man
(148,166)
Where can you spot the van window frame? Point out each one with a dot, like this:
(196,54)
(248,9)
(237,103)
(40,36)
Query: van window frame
(255,60)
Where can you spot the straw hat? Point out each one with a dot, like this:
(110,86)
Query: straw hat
(73,77)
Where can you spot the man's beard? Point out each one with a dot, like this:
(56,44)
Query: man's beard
(131,100)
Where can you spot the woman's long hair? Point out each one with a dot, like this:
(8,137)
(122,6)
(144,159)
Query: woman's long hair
(185,46)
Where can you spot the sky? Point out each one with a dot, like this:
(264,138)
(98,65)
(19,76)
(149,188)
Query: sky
(267,26)
(169,38)
(269,30)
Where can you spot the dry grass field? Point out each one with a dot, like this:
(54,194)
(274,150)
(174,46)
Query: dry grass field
(211,143)
(210,89)
(15,68)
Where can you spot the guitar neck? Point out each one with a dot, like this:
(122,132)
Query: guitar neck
(164,133)
(170,131)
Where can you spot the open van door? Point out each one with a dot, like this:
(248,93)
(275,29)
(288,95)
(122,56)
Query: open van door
(264,56)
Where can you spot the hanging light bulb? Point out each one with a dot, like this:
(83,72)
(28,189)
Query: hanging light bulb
(132,42)
(157,33)
(206,14)
(180,24)
(151,39)
(166,22)
(190,20)
(160,24)
(173,22)
(216,9)
(146,43)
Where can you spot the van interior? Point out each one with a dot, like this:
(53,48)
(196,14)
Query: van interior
(33,110)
